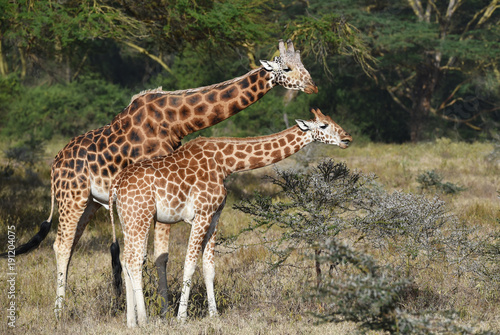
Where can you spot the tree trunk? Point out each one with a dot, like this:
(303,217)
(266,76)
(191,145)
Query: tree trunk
(22,57)
(4,70)
(427,78)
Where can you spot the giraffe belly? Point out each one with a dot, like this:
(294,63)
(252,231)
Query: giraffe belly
(99,194)
(167,213)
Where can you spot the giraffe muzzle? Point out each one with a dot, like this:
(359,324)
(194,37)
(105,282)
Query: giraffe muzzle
(311,88)
(344,144)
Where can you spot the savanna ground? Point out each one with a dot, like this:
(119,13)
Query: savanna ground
(252,299)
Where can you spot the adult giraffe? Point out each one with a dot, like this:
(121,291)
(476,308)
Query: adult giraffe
(152,125)
(188,185)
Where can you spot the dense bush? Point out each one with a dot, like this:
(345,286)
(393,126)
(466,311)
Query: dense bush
(63,109)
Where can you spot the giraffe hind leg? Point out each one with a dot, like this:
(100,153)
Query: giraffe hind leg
(136,306)
(71,226)
(161,243)
(132,263)
(131,318)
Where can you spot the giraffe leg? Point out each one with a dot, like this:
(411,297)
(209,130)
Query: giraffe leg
(161,242)
(209,274)
(208,248)
(198,230)
(135,226)
(88,214)
(131,319)
(136,306)
(71,227)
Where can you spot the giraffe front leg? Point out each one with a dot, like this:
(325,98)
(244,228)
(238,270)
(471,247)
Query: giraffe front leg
(161,242)
(198,231)
(209,274)
(208,248)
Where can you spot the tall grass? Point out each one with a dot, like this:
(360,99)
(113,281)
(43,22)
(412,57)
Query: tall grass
(251,298)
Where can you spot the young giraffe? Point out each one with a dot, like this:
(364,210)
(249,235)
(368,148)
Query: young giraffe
(152,125)
(188,185)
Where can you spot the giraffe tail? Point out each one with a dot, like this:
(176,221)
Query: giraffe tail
(35,241)
(115,250)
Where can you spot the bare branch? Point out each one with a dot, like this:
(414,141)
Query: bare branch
(391,91)
(467,121)
(452,7)
(486,13)
(495,4)
(416,5)
(428,11)
(147,53)
(444,104)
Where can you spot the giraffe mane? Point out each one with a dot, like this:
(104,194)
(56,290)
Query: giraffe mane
(192,90)
(140,94)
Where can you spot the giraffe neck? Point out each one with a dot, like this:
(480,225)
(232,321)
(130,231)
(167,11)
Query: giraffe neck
(173,115)
(241,154)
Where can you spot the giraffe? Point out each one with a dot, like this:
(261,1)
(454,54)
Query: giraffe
(152,125)
(188,185)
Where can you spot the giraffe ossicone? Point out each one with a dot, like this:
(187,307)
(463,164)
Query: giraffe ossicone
(152,125)
(188,185)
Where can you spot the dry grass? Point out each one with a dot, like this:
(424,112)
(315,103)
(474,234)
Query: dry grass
(251,299)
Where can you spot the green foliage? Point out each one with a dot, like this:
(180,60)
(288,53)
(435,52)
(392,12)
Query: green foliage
(135,44)
(46,23)
(229,21)
(328,35)
(433,180)
(10,89)
(213,24)
(27,152)
(64,109)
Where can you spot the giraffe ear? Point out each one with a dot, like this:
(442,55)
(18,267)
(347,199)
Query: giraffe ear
(303,125)
(269,65)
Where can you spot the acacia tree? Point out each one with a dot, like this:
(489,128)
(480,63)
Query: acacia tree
(36,34)
(444,40)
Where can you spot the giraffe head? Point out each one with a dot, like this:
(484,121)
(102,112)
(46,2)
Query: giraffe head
(324,129)
(288,71)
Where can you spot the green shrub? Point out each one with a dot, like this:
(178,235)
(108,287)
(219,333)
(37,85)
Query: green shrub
(64,109)
(433,180)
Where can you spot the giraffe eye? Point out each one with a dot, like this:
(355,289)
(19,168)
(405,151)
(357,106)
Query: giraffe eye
(287,69)
(323,126)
